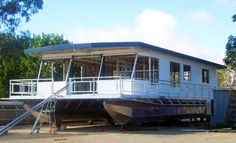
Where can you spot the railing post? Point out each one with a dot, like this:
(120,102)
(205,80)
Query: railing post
(93,85)
(70,86)
(10,89)
(21,90)
(120,85)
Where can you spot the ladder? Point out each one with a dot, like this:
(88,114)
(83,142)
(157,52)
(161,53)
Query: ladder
(51,98)
(47,114)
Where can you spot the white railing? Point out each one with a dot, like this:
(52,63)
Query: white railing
(111,85)
(176,90)
(89,85)
(25,87)
(138,87)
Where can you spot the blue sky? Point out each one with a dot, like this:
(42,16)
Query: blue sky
(196,27)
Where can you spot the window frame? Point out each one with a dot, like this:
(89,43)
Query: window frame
(189,75)
(205,80)
(154,67)
(174,82)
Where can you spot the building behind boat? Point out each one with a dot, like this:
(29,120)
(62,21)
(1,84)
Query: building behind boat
(122,82)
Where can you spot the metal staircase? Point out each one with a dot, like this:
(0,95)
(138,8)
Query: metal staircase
(46,115)
(47,108)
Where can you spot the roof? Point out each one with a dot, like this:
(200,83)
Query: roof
(42,50)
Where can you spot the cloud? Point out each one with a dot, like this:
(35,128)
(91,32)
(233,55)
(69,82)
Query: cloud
(228,3)
(201,16)
(150,26)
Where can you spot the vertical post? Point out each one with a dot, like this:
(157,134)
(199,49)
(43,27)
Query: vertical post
(63,71)
(10,89)
(120,86)
(40,69)
(68,70)
(100,69)
(93,85)
(134,66)
(70,86)
(81,72)
(149,68)
(52,77)
(67,77)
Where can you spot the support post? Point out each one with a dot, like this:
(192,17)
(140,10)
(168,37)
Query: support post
(40,68)
(100,69)
(134,66)
(149,68)
(52,76)
(81,72)
(63,71)
(68,70)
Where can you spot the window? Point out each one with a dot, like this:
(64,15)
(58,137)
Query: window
(174,73)
(187,72)
(142,68)
(154,70)
(118,65)
(205,76)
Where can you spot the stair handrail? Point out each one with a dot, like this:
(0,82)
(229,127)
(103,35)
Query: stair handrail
(27,113)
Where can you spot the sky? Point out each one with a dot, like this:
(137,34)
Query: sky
(198,28)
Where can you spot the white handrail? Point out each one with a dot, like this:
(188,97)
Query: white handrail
(26,87)
(120,86)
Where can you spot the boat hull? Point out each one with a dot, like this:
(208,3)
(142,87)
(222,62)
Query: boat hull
(80,110)
(121,111)
(143,111)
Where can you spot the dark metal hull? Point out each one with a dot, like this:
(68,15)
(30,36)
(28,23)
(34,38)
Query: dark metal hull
(80,110)
(121,111)
(143,111)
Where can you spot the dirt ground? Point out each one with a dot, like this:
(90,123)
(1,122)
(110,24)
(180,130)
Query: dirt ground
(112,134)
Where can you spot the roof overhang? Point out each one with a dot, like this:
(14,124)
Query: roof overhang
(103,48)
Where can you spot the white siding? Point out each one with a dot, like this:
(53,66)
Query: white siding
(196,68)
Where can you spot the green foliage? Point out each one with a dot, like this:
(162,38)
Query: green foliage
(230,58)
(234,18)
(224,77)
(15,65)
(47,40)
(13,11)
(227,77)
(11,51)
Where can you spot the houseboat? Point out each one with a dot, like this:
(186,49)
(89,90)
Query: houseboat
(122,82)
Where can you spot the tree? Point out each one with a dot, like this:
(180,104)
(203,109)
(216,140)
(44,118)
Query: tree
(225,78)
(13,11)
(234,18)
(230,59)
(11,50)
(30,65)
(14,64)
